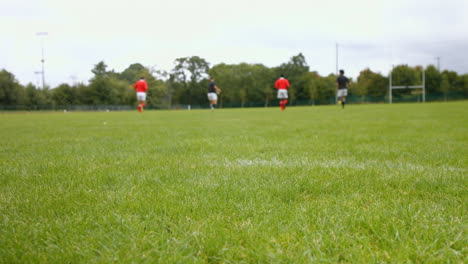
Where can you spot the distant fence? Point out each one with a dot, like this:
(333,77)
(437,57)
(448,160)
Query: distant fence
(93,108)
(351,99)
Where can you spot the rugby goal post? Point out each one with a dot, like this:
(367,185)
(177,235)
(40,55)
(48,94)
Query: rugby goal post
(423,87)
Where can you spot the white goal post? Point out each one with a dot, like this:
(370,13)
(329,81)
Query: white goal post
(423,86)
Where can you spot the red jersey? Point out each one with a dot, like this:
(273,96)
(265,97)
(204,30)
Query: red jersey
(141,86)
(282,83)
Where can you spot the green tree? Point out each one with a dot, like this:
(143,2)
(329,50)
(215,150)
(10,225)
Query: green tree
(99,70)
(65,95)
(168,88)
(158,83)
(311,85)
(133,73)
(463,81)
(262,84)
(433,80)
(105,88)
(378,87)
(190,71)
(445,85)
(36,98)
(82,90)
(370,84)
(244,83)
(364,81)
(326,89)
(452,78)
(403,75)
(244,79)
(11,92)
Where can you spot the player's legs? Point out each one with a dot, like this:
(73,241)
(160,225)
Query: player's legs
(283,104)
(141,97)
(341,95)
(213,98)
(213,104)
(283,97)
(141,105)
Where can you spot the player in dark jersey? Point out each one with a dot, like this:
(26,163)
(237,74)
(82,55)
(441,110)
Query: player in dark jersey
(342,85)
(213,92)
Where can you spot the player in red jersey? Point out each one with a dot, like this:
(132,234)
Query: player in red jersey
(141,87)
(282,84)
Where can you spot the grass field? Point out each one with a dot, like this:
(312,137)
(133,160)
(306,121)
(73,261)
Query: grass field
(372,183)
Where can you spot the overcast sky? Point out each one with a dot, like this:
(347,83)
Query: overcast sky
(373,34)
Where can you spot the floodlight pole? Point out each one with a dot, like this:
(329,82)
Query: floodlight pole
(37,80)
(42,34)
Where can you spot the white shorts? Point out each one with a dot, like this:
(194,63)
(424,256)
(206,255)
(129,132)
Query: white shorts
(212,97)
(342,92)
(141,96)
(282,94)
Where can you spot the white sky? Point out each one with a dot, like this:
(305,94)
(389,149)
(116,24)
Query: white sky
(370,33)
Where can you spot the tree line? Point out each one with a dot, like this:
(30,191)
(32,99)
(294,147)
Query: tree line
(242,85)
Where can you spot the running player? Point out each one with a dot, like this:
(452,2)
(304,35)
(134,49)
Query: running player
(213,92)
(282,84)
(141,87)
(342,85)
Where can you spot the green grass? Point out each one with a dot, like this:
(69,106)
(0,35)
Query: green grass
(372,183)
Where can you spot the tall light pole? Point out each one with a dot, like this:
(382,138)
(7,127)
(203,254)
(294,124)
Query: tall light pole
(42,35)
(37,79)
